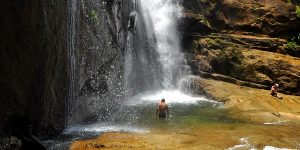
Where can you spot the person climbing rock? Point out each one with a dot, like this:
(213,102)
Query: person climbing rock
(132,21)
(162,109)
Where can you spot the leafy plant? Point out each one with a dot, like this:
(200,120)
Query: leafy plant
(291,46)
(298,11)
(94,17)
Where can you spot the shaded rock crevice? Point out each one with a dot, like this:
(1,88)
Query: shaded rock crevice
(33,62)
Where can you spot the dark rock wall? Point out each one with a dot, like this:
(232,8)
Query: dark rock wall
(100,57)
(33,62)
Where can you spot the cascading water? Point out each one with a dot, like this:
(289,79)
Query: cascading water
(161,21)
(153,58)
(72,41)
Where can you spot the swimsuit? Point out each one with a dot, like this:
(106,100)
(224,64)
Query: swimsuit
(162,115)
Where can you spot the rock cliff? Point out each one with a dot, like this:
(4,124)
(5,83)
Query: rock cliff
(100,58)
(259,16)
(33,62)
(243,40)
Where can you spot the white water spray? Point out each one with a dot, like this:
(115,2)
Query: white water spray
(161,17)
(154,63)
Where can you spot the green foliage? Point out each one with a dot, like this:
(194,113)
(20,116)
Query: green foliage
(298,11)
(291,46)
(94,17)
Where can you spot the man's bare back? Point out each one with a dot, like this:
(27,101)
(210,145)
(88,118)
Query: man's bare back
(162,109)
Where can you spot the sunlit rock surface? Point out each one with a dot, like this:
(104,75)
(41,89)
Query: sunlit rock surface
(205,137)
(259,16)
(255,59)
(254,104)
(243,40)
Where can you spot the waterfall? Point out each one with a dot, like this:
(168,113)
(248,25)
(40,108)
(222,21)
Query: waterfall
(153,58)
(146,56)
(161,22)
(72,41)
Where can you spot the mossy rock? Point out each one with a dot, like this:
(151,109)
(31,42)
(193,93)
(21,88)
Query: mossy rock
(209,43)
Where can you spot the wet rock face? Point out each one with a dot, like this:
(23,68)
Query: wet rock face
(260,16)
(102,40)
(33,62)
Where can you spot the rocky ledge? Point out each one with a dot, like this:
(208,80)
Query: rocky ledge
(252,104)
(272,17)
(257,60)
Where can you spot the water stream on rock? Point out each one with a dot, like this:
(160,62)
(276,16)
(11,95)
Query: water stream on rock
(153,55)
(72,41)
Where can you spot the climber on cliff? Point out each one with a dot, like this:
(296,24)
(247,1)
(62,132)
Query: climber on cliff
(162,109)
(132,21)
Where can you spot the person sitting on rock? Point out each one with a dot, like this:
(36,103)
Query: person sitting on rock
(274,90)
(162,109)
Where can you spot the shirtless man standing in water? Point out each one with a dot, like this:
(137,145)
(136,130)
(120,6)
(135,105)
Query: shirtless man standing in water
(162,109)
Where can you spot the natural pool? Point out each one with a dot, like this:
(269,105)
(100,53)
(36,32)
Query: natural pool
(197,122)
